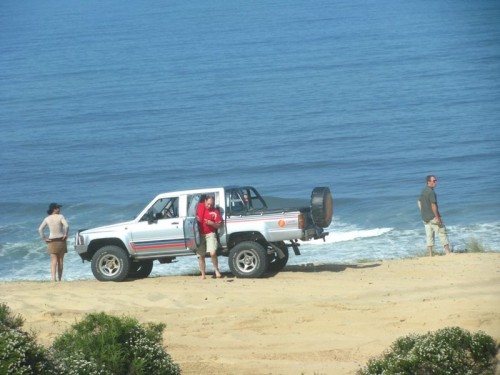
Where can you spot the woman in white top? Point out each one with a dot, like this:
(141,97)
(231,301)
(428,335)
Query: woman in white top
(56,242)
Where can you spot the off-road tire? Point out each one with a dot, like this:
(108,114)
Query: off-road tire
(248,259)
(322,206)
(110,263)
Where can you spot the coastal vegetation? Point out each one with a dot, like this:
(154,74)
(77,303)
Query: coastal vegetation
(100,344)
(448,351)
(474,246)
(19,351)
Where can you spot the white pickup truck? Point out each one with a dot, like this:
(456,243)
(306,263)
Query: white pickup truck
(255,238)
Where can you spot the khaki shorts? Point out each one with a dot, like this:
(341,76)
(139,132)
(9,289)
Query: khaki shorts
(431,228)
(208,244)
(57,246)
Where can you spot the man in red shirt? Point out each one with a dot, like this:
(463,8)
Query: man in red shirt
(210,220)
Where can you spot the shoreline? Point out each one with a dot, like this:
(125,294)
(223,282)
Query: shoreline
(307,319)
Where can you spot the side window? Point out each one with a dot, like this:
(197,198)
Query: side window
(164,208)
(236,201)
(245,199)
(193,201)
(171,209)
(241,200)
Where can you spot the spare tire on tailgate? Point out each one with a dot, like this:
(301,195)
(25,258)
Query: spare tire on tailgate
(322,206)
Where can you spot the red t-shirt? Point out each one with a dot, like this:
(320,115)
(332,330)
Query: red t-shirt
(204,214)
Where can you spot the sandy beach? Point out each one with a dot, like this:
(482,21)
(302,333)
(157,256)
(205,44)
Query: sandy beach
(309,319)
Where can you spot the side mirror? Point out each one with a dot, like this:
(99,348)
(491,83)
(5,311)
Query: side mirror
(151,216)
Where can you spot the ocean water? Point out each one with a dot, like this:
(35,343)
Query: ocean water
(103,105)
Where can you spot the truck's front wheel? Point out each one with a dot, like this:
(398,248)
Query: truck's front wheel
(248,260)
(110,263)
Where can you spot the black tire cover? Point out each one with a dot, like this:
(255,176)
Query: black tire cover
(322,206)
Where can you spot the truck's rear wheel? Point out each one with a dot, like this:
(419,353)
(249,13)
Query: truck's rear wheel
(322,206)
(248,259)
(140,270)
(110,263)
(276,263)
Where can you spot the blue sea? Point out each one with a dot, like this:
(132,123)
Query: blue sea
(105,104)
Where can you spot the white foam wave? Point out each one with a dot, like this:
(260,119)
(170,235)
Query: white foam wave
(350,235)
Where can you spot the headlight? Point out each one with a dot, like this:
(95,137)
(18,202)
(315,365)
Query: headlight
(79,239)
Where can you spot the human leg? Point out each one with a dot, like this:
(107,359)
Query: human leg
(447,249)
(212,249)
(202,264)
(429,249)
(215,262)
(443,238)
(60,265)
(53,266)
(201,256)
(429,236)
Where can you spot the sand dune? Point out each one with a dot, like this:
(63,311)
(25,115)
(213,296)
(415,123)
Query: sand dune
(309,319)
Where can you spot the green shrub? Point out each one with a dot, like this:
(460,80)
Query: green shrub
(19,352)
(8,320)
(451,350)
(474,246)
(104,344)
